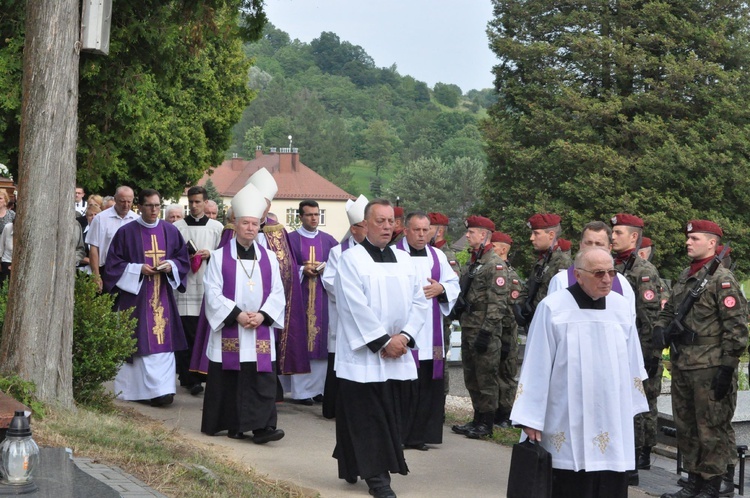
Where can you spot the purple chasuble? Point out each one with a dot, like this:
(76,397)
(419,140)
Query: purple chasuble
(230,339)
(292,340)
(616,286)
(314,295)
(159,328)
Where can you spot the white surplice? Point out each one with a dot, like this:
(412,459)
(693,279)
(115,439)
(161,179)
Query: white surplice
(219,307)
(374,299)
(582,382)
(449,280)
(327,279)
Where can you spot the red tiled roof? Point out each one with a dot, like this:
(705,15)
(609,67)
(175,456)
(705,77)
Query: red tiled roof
(295,180)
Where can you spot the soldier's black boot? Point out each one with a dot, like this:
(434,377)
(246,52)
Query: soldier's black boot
(690,490)
(464,429)
(710,488)
(484,428)
(644,458)
(727,482)
(502,418)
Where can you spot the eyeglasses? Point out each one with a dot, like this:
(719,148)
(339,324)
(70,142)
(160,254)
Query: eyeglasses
(151,206)
(600,273)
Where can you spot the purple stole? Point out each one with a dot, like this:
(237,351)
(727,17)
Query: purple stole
(230,339)
(154,248)
(345,245)
(616,285)
(437,322)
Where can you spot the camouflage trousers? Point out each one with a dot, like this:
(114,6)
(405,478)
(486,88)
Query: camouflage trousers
(645,423)
(508,379)
(704,430)
(481,371)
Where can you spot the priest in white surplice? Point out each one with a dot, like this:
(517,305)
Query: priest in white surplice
(381,306)
(244,301)
(440,291)
(582,382)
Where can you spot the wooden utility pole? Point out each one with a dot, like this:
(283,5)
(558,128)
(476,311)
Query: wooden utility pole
(38,333)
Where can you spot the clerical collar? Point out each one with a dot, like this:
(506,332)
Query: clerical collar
(243,253)
(147,225)
(377,254)
(307,233)
(418,252)
(190,220)
(584,301)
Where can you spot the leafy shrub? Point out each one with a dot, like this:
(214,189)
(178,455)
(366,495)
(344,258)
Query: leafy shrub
(102,340)
(22,390)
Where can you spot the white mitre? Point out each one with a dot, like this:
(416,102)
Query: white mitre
(263,180)
(249,202)
(356,210)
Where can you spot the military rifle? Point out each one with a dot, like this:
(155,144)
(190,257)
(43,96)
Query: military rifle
(676,330)
(462,305)
(524,313)
(633,256)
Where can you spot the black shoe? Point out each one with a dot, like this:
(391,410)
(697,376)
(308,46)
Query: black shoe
(318,398)
(195,389)
(382,492)
(165,400)
(418,446)
(304,401)
(691,488)
(351,480)
(236,435)
(267,435)
(464,429)
(633,479)
(480,431)
(710,488)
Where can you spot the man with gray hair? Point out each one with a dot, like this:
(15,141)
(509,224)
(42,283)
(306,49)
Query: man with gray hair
(211,209)
(174,212)
(581,382)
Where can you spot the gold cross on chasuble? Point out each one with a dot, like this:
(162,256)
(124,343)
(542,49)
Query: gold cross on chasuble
(155,254)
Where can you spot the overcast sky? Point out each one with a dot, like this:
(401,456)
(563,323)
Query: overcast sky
(431,40)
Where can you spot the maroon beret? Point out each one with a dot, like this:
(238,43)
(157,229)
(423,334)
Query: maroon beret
(438,219)
(627,219)
(398,212)
(541,221)
(479,222)
(703,226)
(645,242)
(564,244)
(501,237)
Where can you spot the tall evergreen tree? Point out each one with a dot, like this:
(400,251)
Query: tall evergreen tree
(608,106)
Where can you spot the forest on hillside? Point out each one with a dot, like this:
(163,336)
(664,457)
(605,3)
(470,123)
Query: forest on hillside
(356,124)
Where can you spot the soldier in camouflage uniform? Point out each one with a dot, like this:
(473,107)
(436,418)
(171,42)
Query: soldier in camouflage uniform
(644,279)
(501,243)
(485,287)
(438,227)
(704,373)
(545,232)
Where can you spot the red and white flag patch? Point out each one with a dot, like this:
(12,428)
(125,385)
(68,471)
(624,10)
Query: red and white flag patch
(498,267)
(645,279)
(725,285)
(730,301)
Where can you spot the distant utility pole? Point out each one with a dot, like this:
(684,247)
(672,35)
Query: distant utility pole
(38,332)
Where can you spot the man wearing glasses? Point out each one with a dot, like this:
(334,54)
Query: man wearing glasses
(147,261)
(581,382)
